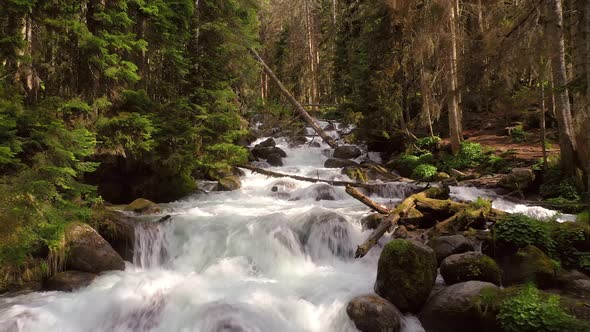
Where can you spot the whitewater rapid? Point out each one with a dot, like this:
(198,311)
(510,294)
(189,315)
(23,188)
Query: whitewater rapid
(252,260)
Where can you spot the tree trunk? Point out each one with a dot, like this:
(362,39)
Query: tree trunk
(543,124)
(300,110)
(455,129)
(567,143)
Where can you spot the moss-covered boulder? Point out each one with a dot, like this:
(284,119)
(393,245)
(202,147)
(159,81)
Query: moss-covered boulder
(372,221)
(445,246)
(470,266)
(529,264)
(461,308)
(143,206)
(371,313)
(69,281)
(406,274)
(229,183)
(217,173)
(87,251)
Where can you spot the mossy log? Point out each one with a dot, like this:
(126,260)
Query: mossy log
(395,215)
(366,200)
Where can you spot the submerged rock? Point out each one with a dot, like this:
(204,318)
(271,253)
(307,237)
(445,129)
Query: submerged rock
(297,141)
(87,251)
(339,163)
(347,152)
(324,234)
(69,281)
(470,266)
(229,183)
(445,246)
(143,206)
(371,313)
(406,274)
(459,308)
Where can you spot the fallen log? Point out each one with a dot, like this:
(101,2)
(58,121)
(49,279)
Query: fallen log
(300,110)
(337,183)
(394,217)
(366,200)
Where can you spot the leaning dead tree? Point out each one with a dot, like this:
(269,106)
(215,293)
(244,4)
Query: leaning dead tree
(300,110)
(434,201)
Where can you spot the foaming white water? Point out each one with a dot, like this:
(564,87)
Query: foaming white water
(471,194)
(150,248)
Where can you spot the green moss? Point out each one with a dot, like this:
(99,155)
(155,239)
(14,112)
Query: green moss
(356,174)
(424,172)
(471,267)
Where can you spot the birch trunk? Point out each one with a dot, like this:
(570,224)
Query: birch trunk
(455,129)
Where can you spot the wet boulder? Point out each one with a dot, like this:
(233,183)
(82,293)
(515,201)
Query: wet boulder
(118,229)
(518,179)
(406,274)
(265,152)
(229,183)
(87,251)
(217,173)
(445,246)
(575,283)
(331,126)
(270,142)
(297,141)
(529,264)
(324,234)
(459,308)
(315,145)
(69,281)
(324,192)
(275,160)
(371,313)
(339,163)
(347,152)
(143,206)
(470,266)
(372,221)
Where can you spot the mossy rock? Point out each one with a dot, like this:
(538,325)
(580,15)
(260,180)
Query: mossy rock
(356,174)
(371,313)
(217,173)
(529,264)
(87,251)
(445,246)
(406,274)
(372,221)
(470,266)
(441,176)
(229,183)
(143,206)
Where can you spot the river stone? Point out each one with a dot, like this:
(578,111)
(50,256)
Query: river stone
(264,152)
(118,229)
(229,183)
(347,152)
(372,221)
(217,173)
(69,281)
(529,264)
(275,160)
(87,251)
(445,246)
(315,145)
(324,192)
(371,313)
(297,141)
(459,308)
(470,266)
(406,274)
(143,206)
(339,163)
(270,142)
(518,179)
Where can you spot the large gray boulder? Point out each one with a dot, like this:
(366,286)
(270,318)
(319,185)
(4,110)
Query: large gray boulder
(406,274)
(270,142)
(347,152)
(445,246)
(275,160)
(339,163)
(265,152)
(87,251)
(143,206)
(470,266)
(459,308)
(371,313)
(69,281)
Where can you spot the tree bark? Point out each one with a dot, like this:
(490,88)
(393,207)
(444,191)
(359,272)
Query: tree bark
(300,110)
(367,201)
(455,129)
(567,142)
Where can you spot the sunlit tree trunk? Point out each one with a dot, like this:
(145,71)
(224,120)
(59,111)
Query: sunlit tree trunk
(567,141)
(455,129)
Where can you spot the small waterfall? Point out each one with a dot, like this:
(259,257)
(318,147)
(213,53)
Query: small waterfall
(150,248)
(396,190)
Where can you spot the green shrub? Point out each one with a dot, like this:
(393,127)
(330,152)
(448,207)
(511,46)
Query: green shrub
(519,230)
(470,156)
(424,172)
(518,134)
(584,217)
(497,164)
(563,188)
(426,158)
(429,143)
(570,239)
(530,311)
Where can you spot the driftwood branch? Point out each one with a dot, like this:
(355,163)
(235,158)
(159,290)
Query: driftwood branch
(300,110)
(366,200)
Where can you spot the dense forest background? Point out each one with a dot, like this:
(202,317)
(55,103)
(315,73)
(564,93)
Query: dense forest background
(110,100)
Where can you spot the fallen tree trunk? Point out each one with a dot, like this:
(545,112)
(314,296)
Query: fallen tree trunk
(300,110)
(337,183)
(394,217)
(367,201)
